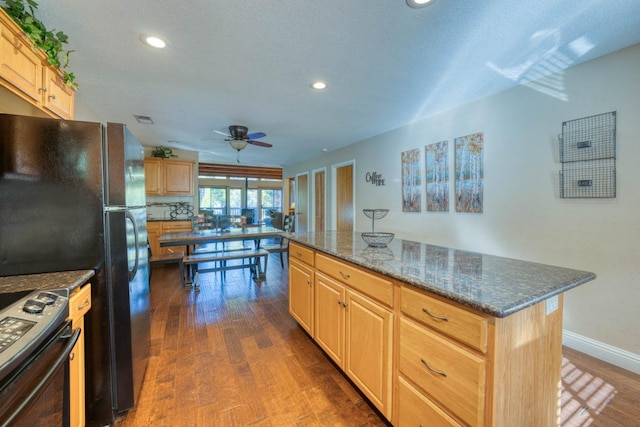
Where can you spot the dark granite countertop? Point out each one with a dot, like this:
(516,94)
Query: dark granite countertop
(495,285)
(43,281)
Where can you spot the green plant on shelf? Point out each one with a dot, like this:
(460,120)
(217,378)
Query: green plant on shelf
(51,42)
(162,152)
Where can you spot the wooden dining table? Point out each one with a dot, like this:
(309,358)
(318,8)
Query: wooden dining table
(201,237)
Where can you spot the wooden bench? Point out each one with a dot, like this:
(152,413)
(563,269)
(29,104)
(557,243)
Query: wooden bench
(252,255)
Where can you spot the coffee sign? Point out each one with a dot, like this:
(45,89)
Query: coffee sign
(374,178)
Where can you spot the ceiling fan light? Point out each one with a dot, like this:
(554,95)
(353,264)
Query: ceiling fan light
(419,3)
(238,144)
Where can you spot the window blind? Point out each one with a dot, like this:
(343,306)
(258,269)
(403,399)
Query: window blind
(213,169)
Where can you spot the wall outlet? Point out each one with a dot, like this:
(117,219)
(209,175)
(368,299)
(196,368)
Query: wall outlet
(551,304)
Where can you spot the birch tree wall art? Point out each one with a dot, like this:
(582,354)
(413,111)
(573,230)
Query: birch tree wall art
(469,172)
(437,172)
(411,181)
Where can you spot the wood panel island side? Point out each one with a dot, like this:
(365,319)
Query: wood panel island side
(435,336)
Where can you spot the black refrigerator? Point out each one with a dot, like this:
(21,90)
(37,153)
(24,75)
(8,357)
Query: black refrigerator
(72,197)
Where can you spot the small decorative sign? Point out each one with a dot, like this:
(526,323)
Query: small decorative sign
(375,178)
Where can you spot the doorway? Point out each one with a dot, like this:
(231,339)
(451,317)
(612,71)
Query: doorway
(343,186)
(302,203)
(319,185)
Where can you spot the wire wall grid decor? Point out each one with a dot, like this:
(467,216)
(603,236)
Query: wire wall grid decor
(588,157)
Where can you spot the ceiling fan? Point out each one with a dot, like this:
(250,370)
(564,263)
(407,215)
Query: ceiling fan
(238,137)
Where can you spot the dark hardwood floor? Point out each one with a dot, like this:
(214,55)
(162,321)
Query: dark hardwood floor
(231,355)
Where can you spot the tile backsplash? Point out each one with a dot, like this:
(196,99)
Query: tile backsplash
(175,210)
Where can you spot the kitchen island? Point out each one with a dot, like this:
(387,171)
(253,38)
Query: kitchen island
(434,335)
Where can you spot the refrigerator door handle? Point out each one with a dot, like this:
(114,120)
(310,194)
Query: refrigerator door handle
(134,270)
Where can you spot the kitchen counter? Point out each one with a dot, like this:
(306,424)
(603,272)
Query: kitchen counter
(494,285)
(60,280)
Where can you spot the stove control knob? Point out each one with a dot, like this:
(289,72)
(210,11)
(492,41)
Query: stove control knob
(47,297)
(34,306)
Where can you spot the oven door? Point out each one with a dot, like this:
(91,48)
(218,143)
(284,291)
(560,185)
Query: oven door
(37,392)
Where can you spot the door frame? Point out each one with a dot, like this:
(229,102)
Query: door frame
(334,192)
(306,211)
(312,226)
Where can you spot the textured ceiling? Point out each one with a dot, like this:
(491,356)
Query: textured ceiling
(250,62)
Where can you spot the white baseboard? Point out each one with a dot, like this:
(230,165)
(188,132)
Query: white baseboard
(616,356)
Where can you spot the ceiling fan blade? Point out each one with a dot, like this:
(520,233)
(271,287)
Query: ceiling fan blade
(256,135)
(222,133)
(259,143)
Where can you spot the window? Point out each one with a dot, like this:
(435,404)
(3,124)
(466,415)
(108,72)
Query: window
(233,200)
(270,199)
(213,199)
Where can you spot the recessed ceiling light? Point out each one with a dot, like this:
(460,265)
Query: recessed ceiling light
(318,85)
(419,3)
(154,41)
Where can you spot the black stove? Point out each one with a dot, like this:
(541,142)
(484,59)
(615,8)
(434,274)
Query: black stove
(27,319)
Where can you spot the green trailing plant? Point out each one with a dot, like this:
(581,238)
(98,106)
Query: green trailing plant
(162,152)
(50,41)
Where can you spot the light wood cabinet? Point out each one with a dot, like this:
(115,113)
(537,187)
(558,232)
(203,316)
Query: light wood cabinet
(79,305)
(301,284)
(168,177)
(353,328)
(423,359)
(155,229)
(329,317)
(470,368)
(369,349)
(174,227)
(417,410)
(452,375)
(26,72)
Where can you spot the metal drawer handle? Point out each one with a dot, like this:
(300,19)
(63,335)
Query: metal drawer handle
(435,371)
(435,316)
(83,305)
(346,276)
(342,303)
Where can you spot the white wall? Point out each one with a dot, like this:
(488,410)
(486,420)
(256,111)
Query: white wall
(523,215)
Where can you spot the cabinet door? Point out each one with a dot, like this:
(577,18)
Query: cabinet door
(154,231)
(329,317)
(368,358)
(301,294)
(174,227)
(153,176)
(79,304)
(20,65)
(178,178)
(58,97)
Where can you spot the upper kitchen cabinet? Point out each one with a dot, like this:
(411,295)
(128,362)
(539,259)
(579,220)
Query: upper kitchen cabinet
(168,177)
(25,72)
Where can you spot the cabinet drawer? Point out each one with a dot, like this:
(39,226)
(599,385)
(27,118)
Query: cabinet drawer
(301,253)
(462,325)
(374,286)
(80,303)
(416,410)
(452,375)
(176,226)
